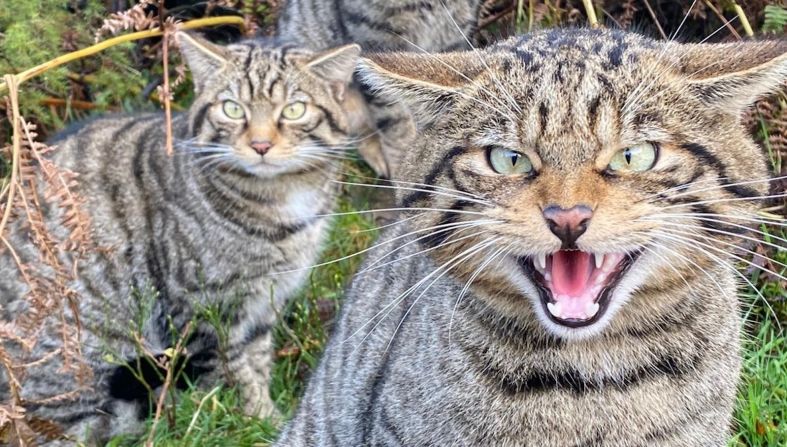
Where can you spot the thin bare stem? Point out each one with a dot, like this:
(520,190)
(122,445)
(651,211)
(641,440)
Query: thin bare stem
(591,12)
(655,19)
(744,20)
(101,46)
(13,93)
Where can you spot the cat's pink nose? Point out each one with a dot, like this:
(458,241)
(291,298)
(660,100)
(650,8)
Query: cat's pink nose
(262,147)
(568,224)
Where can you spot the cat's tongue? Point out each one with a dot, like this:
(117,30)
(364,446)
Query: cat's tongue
(571,271)
(573,293)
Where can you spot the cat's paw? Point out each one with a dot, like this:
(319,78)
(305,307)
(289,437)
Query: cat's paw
(258,403)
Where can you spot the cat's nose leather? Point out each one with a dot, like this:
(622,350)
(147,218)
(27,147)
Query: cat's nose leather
(568,224)
(262,147)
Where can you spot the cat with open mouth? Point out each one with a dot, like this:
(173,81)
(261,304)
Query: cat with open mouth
(564,274)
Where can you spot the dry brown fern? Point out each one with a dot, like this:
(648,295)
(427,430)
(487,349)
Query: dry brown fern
(137,18)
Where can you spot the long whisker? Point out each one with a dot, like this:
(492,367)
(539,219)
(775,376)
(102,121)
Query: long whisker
(379,244)
(725,200)
(446,268)
(729,233)
(725,252)
(448,241)
(441,210)
(398,222)
(692,243)
(727,185)
(387,309)
(422,185)
(440,193)
(470,282)
(495,79)
(729,244)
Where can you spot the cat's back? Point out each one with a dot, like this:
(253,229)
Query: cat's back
(380,24)
(110,138)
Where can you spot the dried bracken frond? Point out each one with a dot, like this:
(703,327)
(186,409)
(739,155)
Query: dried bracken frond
(136,18)
(52,303)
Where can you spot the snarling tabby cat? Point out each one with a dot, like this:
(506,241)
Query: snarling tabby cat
(241,198)
(565,276)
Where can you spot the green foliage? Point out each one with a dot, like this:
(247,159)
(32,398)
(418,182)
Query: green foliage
(762,403)
(36,31)
(775,19)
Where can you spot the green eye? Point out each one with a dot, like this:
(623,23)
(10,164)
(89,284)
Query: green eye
(508,162)
(294,110)
(637,158)
(233,110)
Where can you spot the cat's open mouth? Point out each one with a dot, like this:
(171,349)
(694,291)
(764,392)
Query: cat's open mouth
(575,286)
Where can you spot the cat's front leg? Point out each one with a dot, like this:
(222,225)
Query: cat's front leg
(250,363)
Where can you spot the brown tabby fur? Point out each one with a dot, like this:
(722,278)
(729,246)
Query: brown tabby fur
(449,342)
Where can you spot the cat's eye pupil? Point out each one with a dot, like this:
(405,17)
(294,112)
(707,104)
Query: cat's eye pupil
(232,109)
(508,162)
(637,158)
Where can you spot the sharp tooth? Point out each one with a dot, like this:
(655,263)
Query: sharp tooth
(541,261)
(599,260)
(554,309)
(591,310)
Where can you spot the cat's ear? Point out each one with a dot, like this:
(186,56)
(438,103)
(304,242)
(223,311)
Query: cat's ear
(425,83)
(733,76)
(204,58)
(336,66)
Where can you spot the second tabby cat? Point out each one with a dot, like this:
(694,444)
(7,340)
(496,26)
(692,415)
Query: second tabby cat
(242,198)
(566,274)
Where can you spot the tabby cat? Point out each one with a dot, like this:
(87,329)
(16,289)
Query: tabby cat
(380,25)
(241,198)
(565,275)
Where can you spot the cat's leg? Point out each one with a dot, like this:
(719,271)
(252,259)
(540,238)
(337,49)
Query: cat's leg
(250,363)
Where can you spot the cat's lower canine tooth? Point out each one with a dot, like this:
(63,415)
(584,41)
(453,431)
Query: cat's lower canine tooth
(591,310)
(554,309)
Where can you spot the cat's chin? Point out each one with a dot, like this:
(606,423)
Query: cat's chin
(575,287)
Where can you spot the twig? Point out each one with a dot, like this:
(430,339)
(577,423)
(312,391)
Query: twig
(165,92)
(494,18)
(167,383)
(655,19)
(723,19)
(744,20)
(101,46)
(591,12)
(12,82)
(73,103)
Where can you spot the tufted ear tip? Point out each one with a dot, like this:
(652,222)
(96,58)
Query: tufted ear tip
(733,76)
(424,83)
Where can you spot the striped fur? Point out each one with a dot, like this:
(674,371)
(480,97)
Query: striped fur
(447,341)
(210,226)
(381,25)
